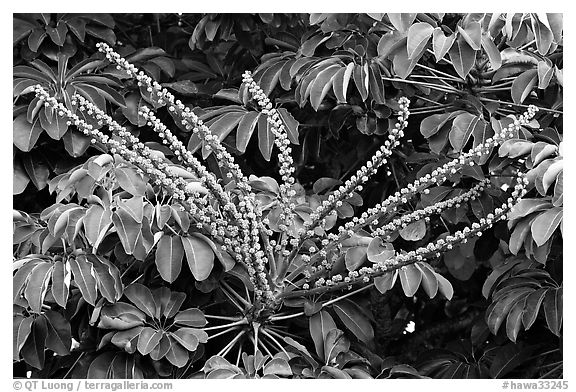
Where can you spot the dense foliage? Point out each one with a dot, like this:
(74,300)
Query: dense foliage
(288,195)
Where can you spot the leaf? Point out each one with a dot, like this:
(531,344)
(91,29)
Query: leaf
(335,343)
(278,366)
(533,302)
(403,65)
(130,181)
(200,257)
(523,85)
(37,286)
(441,44)
(191,317)
(385,282)
(444,286)
(498,310)
(246,127)
(107,277)
(544,225)
(59,337)
(545,73)
(322,84)
(472,34)
(379,251)
(552,173)
(128,230)
(58,33)
(514,319)
(506,359)
(169,255)
(410,277)
(418,36)
(224,257)
(542,35)
(553,310)
(354,320)
(56,128)
(21,332)
(462,56)
(24,134)
(95,221)
(61,277)
(341,81)
(121,316)
(401,21)
(37,170)
(148,340)
(75,143)
(84,277)
(415,231)
(142,297)
(355,257)
(33,350)
(291,125)
(20,179)
(429,281)
(187,339)
(320,324)
(265,137)
(492,51)
(464,126)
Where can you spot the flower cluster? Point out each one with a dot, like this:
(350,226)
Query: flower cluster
(233,218)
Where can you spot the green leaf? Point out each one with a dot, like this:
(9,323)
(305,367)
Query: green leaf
(20,179)
(544,225)
(462,56)
(415,231)
(472,34)
(95,221)
(542,35)
(59,337)
(128,230)
(130,181)
(355,257)
(533,302)
(441,44)
(265,137)
(278,366)
(187,339)
(200,257)
(464,126)
(127,340)
(498,310)
(148,340)
(431,125)
(224,257)
(429,281)
(33,350)
(58,33)
(418,36)
(83,272)
(121,316)
(107,278)
(322,84)
(401,21)
(444,286)
(379,251)
(37,170)
(492,51)
(341,81)
(403,65)
(177,355)
(169,255)
(514,319)
(461,261)
(360,76)
(246,127)
(386,282)
(376,85)
(320,324)
(291,125)
(410,277)
(22,329)
(142,297)
(24,134)
(553,310)
(354,320)
(335,343)
(523,85)
(61,277)
(191,317)
(75,143)
(545,73)
(37,286)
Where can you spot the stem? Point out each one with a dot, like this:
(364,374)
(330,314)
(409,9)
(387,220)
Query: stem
(223,318)
(261,345)
(137,279)
(241,322)
(229,346)
(74,364)
(232,299)
(235,294)
(519,105)
(223,332)
(429,85)
(454,78)
(551,371)
(274,341)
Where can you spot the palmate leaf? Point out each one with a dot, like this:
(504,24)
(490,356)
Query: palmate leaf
(546,224)
(25,134)
(199,256)
(321,324)
(462,56)
(84,277)
(354,320)
(33,349)
(142,297)
(169,255)
(441,44)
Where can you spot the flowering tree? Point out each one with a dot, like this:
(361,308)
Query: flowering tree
(278,258)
